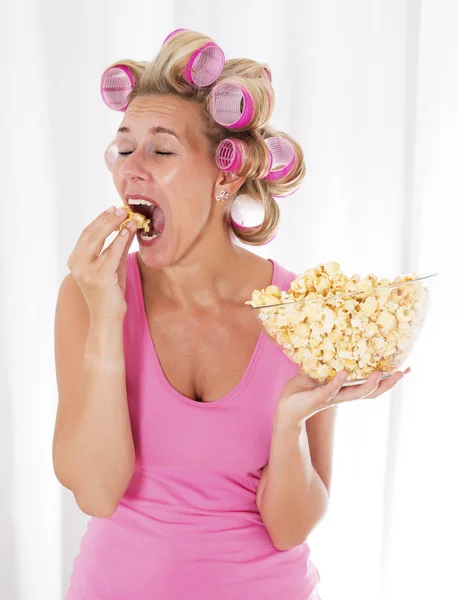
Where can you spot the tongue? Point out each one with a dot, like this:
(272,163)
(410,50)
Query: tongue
(158,220)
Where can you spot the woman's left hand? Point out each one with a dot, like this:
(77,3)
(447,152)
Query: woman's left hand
(302,396)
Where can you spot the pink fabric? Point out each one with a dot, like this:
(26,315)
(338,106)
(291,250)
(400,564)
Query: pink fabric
(188,526)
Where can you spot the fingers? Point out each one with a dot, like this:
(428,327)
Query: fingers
(356,392)
(119,247)
(372,388)
(92,239)
(389,383)
(132,228)
(325,394)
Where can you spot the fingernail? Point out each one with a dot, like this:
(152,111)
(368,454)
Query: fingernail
(120,212)
(111,209)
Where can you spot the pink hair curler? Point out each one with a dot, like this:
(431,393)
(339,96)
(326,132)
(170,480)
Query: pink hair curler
(172,34)
(247,213)
(205,65)
(111,155)
(117,83)
(229,155)
(283,158)
(267,74)
(231,105)
(240,227)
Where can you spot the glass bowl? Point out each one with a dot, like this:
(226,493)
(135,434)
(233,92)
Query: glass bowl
(360,332)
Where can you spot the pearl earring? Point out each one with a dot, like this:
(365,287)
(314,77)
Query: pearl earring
(223,195)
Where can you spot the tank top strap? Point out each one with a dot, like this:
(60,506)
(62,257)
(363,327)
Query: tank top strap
(133,293)
(132,326)
(281,277)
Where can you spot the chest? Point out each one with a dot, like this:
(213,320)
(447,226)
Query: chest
(205,355)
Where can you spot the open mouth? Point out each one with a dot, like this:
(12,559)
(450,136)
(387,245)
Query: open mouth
(153,213)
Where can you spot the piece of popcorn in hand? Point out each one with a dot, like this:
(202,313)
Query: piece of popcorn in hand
(141,221)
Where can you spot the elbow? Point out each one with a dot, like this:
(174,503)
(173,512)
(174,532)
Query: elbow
(97,505)
(289,537)
(99,499)
(295,534)
(289,544)
(100,508)
(97,502)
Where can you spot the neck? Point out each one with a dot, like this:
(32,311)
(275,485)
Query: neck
(215,271)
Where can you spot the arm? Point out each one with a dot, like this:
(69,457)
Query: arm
(93,450)
(293,491)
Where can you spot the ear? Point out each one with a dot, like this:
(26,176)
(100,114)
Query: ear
(229,182)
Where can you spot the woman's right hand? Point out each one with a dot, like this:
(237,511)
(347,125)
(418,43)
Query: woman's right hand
(101,276)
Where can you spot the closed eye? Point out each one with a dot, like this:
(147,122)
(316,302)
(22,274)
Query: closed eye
(160,153)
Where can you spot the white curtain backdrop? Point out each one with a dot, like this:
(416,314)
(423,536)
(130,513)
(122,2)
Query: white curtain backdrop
(370,89)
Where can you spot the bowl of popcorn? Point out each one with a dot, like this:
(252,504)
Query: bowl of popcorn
(327,322)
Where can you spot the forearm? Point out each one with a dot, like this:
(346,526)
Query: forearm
(95,453)
(294,498)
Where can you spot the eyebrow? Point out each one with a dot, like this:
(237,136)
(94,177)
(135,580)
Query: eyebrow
(152,130)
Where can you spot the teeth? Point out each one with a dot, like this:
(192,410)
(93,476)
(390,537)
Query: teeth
(140,201)
(148,237)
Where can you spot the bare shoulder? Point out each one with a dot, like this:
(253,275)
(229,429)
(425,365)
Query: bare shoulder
(257,271)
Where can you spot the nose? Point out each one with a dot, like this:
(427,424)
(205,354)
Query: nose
(134,167)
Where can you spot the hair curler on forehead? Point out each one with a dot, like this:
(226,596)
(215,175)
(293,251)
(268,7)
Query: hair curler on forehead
(205,65)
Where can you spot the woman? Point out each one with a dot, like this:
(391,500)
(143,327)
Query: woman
(200,451)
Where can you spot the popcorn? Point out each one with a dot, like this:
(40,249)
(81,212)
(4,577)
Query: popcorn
(141,220)
(352,323)
(386,320)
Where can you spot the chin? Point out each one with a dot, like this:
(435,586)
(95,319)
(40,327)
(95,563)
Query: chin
(158,253)
(167,250)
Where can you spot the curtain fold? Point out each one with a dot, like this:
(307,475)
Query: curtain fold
(369,89)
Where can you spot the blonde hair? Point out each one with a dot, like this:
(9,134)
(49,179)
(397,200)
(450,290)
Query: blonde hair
(164,75)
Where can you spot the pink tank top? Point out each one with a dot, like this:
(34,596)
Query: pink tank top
(187,527)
